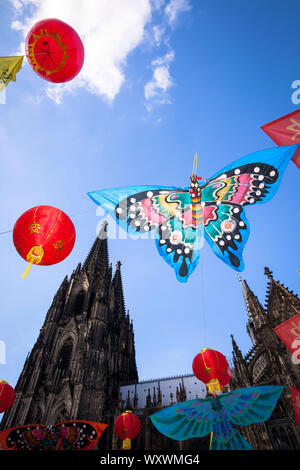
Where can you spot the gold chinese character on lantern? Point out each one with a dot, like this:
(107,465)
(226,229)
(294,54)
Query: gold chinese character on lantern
(34,227)
(58,245)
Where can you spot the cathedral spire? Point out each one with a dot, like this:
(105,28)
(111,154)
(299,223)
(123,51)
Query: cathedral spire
(118,289)
(236,351)
(97,260)
(255,311)
(240,372)
(245,290)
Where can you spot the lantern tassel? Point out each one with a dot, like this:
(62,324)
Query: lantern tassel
(210,439)
(34,256)
(214,387)
(27,270)
(127,443)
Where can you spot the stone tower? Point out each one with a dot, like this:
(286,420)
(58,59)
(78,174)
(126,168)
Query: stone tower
(85,349)
(269,362)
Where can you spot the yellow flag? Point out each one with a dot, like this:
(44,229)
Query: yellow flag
(9,67)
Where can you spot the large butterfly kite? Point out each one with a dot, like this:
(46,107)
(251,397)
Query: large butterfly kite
(215,208)
(69,435)
(218,415)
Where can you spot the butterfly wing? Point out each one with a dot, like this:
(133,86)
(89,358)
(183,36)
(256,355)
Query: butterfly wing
(79,434)
(27,437)
(251,405)
(252,179)
(226,229)
(180,245)
(185,420)
(165,210)
(120,202)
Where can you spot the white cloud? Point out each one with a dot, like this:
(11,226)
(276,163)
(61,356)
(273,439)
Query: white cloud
(165,60)
(158,33)
(110,30)
(156,89)
(174,8)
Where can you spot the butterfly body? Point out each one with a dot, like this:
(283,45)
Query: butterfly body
(214,209)
(195,194)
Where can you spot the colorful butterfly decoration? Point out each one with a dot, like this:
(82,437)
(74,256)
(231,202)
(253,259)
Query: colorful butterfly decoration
(217,415)
(68,435)
(215,208)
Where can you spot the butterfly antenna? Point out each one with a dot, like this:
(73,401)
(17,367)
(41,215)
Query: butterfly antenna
(194,172)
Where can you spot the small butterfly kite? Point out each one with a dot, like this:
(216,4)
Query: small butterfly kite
(69,435)
(214,208)
(218,415)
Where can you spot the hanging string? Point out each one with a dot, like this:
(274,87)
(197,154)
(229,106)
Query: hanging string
(202,295)
(71,215)
(195,163)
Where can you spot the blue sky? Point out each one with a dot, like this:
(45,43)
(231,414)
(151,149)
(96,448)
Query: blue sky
(184,76)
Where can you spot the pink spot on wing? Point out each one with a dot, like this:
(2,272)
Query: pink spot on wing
(242,189)
(150,213)
(187,218)
(209,214)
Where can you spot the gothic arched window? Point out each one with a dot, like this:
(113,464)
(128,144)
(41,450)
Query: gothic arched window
(65,356)
(291,437)
(79,303)
(62,415)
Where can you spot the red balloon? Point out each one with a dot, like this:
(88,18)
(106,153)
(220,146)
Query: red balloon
(209,365)
(54,50)
(44,235)
(7,396)
(127,426)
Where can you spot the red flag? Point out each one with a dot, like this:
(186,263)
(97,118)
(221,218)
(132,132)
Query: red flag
(289,333)
(296,403)
(286,131)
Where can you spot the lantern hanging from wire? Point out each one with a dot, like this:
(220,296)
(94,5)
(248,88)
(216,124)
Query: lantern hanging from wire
(127,426)
(43,235)
(211,367)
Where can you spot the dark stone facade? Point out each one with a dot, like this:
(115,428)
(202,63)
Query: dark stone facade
(85,352)
(269,362)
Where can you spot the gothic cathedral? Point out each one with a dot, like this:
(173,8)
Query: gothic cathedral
(83,364)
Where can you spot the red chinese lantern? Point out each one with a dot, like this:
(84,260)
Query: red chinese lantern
(211,367)
(54,50)
(127,426)
(43,235)
(7,396)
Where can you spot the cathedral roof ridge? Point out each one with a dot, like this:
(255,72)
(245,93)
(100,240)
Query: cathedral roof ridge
(277,283)
(161,379)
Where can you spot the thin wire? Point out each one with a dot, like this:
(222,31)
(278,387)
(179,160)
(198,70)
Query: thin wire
(72,215)
(204,335)
(195,162)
